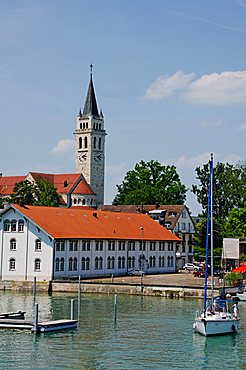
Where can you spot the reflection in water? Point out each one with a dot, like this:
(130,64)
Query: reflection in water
(150,333)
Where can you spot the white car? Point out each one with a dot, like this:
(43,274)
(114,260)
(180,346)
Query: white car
(190,267)
(135,272)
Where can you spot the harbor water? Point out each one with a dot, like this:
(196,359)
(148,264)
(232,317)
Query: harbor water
(150,333)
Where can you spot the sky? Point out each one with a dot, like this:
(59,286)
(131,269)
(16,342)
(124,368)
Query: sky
(169,76)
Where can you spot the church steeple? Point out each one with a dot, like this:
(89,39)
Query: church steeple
(90,107)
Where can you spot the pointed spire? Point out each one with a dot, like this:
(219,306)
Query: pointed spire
(90,107)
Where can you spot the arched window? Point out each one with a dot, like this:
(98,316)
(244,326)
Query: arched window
(83,263)
(133,262)
(123,262)
(37,264)
(100,263)
(6,225)
(70,264)
(91,201)
(87,263)
(150,261)
(80,143)
(79,201)
(62,264)
(96,263)
(13,225)
(83,201)
(80,125)
(100,126)
(21,226)
(86,142)
(12,244)
(119,262)
(12,264)
(75,264)
(95,143)
(83,125)
(99,143)
(154,261)
(108,263)
(57,264)
(129,262)
(74,201)
(112,262)
(37,245)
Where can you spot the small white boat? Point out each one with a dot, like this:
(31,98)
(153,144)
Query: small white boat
(218,317)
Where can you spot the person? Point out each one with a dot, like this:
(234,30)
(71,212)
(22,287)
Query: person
(235,310)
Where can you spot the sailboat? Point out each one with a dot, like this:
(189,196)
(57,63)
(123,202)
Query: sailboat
(218,316)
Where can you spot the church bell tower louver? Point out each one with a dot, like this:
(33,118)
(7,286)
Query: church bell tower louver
(90,144)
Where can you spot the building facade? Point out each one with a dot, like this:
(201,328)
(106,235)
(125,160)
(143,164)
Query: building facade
(175,218)
(52,243)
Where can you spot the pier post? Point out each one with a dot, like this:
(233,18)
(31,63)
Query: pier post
(79,294)
(115,308)
(35,327)
(34,288)
(72,309)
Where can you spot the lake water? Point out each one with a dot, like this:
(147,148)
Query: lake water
(150,333)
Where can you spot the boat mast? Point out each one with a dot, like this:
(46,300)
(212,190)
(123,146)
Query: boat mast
(212,230)
(208,231)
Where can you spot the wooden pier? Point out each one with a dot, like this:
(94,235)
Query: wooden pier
(42,327)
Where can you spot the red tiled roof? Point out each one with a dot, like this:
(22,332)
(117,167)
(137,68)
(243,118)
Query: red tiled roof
(7,184)
(64,182)
(80,223)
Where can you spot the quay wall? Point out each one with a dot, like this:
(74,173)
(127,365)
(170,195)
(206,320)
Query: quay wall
(104,288)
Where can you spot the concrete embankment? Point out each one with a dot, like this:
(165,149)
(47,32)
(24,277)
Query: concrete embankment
(105,288)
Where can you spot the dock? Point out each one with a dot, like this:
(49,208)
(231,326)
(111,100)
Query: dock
(42,327)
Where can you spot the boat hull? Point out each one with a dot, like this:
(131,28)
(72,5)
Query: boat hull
(216,326)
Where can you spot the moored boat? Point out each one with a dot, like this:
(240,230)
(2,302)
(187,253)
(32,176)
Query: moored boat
(218,317)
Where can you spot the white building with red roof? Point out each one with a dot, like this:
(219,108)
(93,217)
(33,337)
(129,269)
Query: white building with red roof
(52,243)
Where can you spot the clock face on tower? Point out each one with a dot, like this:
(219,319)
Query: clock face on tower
(82,157)
(97,157)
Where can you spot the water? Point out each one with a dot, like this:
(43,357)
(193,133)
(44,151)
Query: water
(150,333)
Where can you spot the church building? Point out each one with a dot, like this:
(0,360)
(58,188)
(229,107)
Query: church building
(85,187)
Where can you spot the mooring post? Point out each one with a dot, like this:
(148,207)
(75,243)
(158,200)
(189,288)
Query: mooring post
(72,309)
(35,327)
(34,287)
(115,308)
(79,293)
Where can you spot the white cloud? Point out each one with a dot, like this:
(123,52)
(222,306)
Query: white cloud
(165,86)
(215,123)
(242,126)
(63,146)
(213,89)
(218,89)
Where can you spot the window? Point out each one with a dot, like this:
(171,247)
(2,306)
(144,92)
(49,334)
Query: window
(99,142)
(95,142)
(170,261)
(131,245)
(183,226)
(21,226)
(184,214)
(75,264)
(62,264)
(161,261)
(100,263)
(86,245)
(110,263)
(12,245)
(121,245)
(152,246)
(37,245)
(12,264)
(13,225)
(111,245)
(83,263)
(96,263)
(161,246)
(73,245)
(80,143)
(6,225)
(142,245)
(37,264)
(99,245)
(85,141)
(70,264)
(57,264)
(87,263)
(170,246)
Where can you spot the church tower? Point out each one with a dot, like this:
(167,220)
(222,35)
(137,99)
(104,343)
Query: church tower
(90,144)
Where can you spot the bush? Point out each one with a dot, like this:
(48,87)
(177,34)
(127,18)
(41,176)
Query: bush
(233,278)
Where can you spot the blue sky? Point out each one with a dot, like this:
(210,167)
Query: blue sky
(169,75)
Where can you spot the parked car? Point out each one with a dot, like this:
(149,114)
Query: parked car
(135,272)
(199,273)
(190,267)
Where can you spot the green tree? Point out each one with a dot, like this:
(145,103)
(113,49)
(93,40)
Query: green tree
(151,183)
(46,194)
(228,184)
(235,226)
(24,192)
(41,193)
